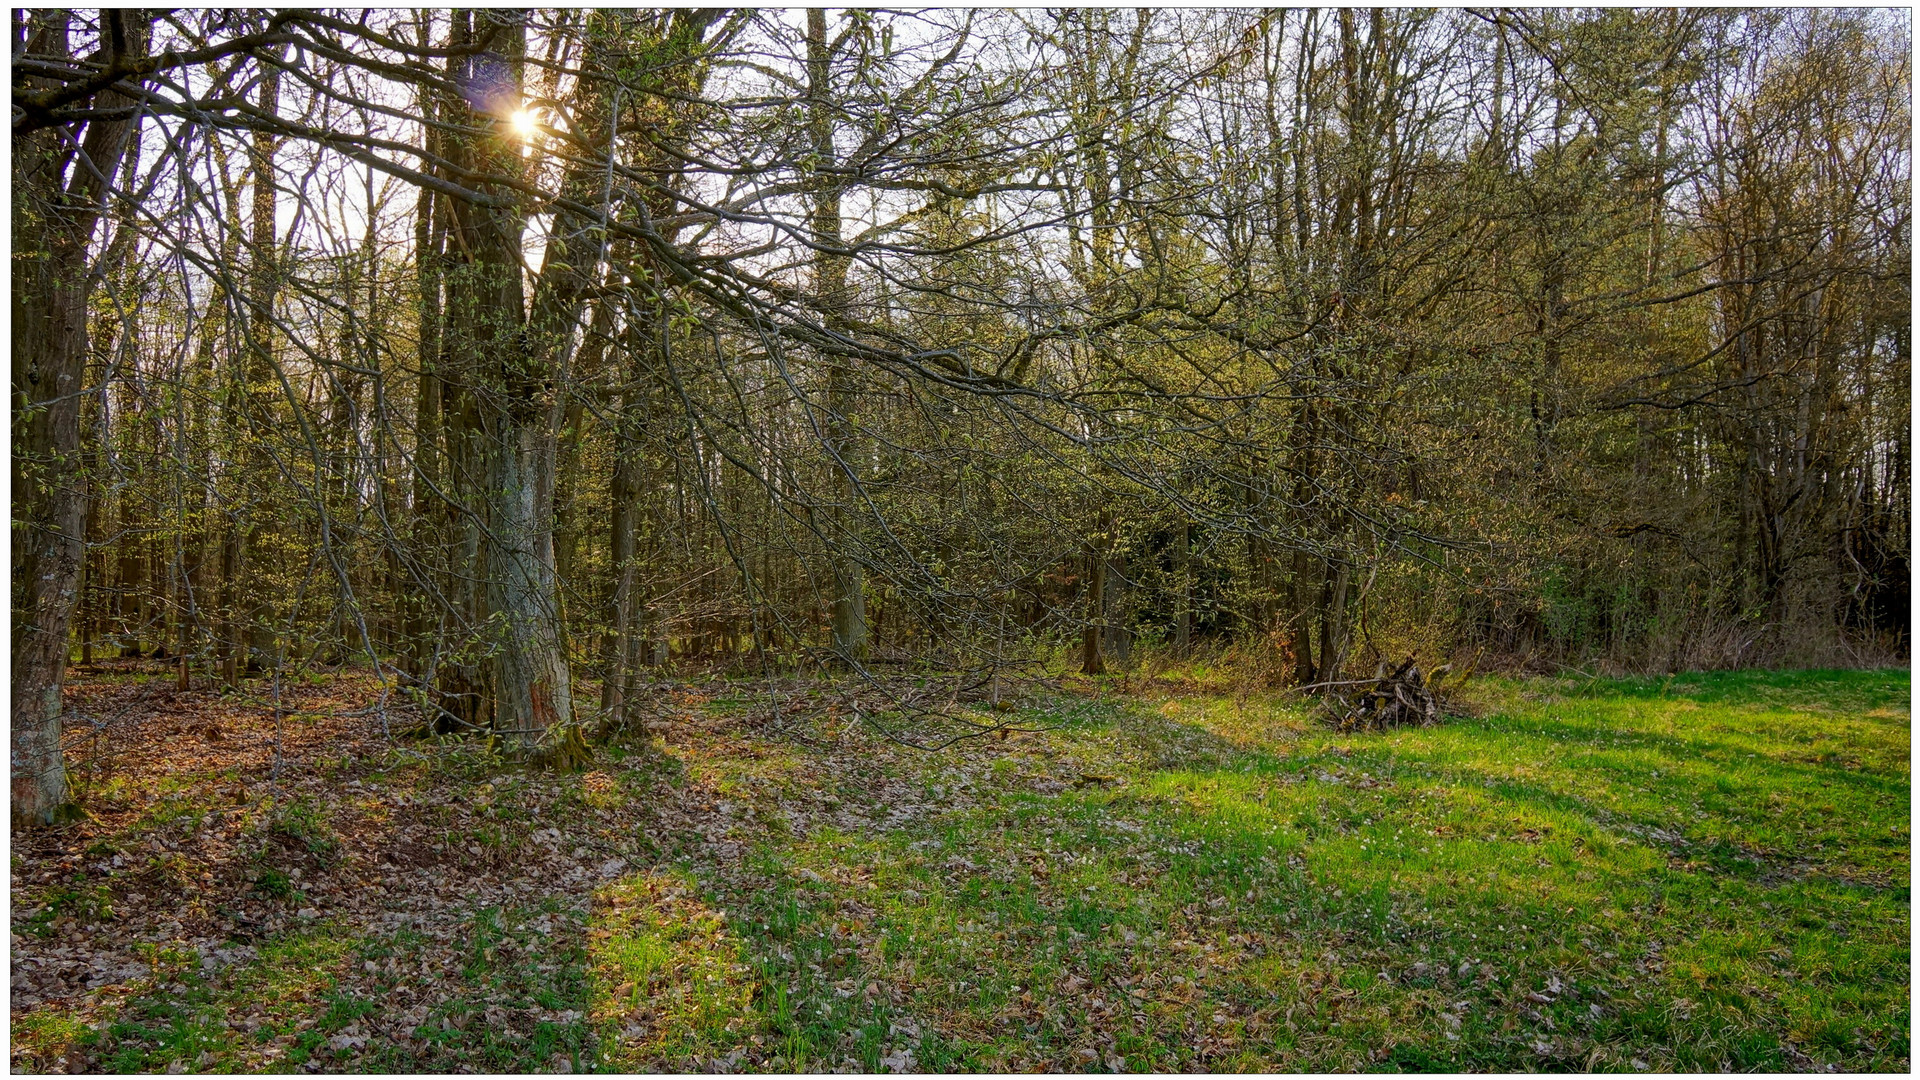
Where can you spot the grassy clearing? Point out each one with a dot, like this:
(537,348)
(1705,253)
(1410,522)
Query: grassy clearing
(1698,873)
(1694,873)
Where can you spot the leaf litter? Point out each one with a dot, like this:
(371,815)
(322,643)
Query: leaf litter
(735,889)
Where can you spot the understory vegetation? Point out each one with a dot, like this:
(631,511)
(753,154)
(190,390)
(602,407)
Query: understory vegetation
(852,539)
(1695,872)
(512,352)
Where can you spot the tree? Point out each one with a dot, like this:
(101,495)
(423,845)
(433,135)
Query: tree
(61,174)
(506,352)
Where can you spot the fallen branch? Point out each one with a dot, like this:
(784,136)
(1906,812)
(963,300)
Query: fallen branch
(1393,698)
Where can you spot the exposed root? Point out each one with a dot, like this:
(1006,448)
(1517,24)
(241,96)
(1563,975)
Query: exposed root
(568,751)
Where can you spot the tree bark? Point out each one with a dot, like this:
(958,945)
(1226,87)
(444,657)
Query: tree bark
(57,202)
(1183,589)
(1333,621)
(506,356)
(850,631)
(1092,656)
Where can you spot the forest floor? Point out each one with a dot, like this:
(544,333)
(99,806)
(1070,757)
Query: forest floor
(1702,872)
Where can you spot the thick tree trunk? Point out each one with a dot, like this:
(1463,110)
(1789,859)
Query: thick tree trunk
(57,201)
(850,631)
(49,490)
(521,355)
(532,683)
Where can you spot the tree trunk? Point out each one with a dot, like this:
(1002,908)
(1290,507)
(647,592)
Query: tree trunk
(850,631)
(262,390)
(56,203)
(532,681)
(1092,657)
(1333,622)
(1183,590)
(522,361)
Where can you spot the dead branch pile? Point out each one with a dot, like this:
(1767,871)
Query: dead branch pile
(1395,697)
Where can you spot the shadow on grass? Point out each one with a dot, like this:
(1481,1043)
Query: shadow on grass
(1584,883)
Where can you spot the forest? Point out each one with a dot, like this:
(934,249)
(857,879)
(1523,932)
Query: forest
(515,355)
(528,379)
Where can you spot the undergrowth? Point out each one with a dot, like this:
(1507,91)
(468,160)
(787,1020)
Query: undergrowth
(1694,872)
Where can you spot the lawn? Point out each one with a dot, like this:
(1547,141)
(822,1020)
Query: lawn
(1705,872)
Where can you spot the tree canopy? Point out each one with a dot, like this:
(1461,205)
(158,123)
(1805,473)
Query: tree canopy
(514,353)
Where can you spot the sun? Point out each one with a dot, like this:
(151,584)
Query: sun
(523,123)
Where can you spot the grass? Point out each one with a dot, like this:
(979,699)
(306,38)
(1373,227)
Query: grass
(671,973)
(78,902)
(277,1008)
(1704,872)
(305,822)
(1694,873)
(285,1006)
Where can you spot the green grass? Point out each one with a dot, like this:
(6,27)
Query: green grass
(1698,873)
(282,1000)
(305,822)
(1705,872)
(288,1006)
(77,901)
(670,971)
(525,959)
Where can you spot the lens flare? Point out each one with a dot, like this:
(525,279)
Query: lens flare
(524,124)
